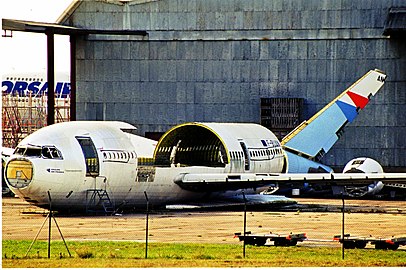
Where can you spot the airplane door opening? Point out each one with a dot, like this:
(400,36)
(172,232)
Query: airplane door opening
(246,156)
(90,154)
(191,145)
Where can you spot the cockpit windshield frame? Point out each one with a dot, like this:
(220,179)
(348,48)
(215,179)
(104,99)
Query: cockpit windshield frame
(51,152)
(45,152)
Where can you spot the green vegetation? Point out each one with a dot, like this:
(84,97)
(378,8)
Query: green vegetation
(108,254)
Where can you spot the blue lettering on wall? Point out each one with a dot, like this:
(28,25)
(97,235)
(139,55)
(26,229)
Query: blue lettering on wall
(8,86)
(44,87)
(23,88)
(20,86)
(34,87)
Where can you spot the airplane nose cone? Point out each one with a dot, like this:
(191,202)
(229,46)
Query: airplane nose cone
(19,173)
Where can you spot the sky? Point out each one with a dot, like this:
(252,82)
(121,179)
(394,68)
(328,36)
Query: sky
(26,52)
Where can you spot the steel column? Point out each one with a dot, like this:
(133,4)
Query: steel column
(50,77)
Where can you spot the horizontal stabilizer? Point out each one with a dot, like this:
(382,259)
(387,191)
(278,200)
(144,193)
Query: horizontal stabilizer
(316,136)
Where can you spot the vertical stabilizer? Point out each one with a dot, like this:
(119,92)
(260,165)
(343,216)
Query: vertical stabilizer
(314,137)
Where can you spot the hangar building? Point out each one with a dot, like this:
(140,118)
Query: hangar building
(270,62)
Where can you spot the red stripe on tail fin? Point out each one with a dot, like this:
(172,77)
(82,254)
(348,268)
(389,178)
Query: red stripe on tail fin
(359,101)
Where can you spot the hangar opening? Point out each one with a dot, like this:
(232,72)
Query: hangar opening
(191,145)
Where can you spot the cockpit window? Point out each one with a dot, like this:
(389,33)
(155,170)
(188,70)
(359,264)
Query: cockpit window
(32,152)
(28,151)
(19,151)
(49,152)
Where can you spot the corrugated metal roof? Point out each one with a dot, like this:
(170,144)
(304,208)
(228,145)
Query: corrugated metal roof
(55,28)
(37,27)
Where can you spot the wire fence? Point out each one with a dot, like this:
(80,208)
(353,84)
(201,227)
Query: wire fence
(319,220)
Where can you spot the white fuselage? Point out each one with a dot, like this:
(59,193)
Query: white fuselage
(71,160)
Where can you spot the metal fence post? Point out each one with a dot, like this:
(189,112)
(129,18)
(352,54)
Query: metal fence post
(49,225)
(146,230)
(245,222)
(342,226)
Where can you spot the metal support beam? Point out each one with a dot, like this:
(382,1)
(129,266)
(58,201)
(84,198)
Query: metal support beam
(72,78)
(51,29)
(51,77)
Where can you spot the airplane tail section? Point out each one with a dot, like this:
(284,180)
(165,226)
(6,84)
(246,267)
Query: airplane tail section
(316,136)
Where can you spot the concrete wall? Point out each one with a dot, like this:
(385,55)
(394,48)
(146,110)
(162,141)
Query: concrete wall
(212,60)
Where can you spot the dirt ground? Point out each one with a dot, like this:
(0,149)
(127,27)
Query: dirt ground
(319,219)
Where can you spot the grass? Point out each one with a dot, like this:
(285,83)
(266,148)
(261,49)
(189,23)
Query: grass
(108,254)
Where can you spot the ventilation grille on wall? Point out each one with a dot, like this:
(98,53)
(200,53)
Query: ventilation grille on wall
(281,115)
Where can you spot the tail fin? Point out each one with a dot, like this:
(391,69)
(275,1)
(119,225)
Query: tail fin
(314,137)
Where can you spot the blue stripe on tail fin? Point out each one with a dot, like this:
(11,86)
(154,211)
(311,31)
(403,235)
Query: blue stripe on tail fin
(348,110)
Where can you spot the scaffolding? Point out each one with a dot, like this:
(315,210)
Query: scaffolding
(22,115)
